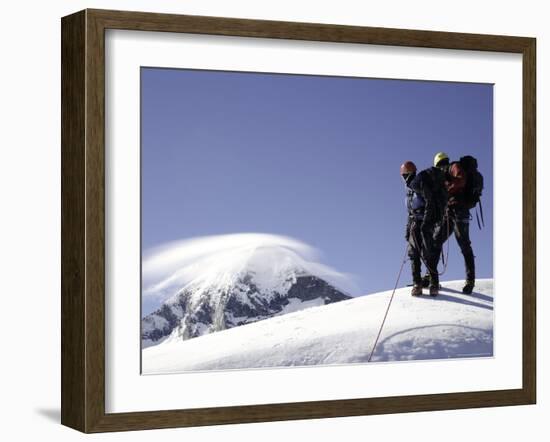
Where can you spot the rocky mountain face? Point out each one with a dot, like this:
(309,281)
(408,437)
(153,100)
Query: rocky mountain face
(205,307)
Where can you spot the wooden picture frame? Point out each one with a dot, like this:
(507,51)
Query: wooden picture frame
(83,220)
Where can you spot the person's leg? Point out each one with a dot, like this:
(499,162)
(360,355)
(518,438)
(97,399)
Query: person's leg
(417,278)
(414,256)
(462,234)
(441,233)
(431,255)
(444,231)
(415,268)
(432,260)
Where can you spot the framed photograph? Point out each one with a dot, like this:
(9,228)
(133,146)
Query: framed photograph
(268,220)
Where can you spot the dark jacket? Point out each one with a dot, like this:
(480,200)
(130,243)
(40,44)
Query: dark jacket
(430,185)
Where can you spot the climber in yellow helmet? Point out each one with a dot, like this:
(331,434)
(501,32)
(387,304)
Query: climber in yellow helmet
(460,178)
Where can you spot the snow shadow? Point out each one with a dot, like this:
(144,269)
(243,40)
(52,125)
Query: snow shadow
(477,295)
(442,341)
(450,298)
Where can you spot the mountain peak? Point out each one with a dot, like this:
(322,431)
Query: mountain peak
(207,306)
(239,280)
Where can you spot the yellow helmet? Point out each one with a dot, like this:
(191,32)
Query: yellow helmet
(439,156)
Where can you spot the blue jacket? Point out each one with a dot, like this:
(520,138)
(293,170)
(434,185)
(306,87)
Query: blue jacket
(415,204)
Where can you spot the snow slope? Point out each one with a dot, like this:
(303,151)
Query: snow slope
(452,325)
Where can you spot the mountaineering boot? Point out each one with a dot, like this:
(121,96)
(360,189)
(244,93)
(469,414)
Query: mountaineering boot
(468,287)
(416,290)
(426,280)
(434,285)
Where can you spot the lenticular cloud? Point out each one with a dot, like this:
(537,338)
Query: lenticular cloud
(168,268)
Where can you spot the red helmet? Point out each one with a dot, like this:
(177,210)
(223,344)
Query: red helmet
(407,167)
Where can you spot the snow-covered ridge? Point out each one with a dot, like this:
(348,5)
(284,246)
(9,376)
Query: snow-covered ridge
(452,325)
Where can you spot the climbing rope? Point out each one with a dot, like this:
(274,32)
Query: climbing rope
(403,261)
(389,303)
(445,257)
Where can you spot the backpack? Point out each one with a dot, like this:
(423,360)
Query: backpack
(431,185)
(474,181)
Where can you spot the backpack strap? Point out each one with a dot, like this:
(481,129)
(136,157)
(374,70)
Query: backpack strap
(481,212)
(480,215)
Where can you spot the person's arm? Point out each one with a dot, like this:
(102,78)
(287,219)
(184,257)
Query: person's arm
(422,185)
(417,186)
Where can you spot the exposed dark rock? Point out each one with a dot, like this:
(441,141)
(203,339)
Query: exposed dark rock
(219,311)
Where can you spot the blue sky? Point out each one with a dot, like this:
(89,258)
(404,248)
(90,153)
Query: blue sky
(311,157)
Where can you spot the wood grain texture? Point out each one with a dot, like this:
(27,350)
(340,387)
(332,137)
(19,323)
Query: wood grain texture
(307,410)
(95,222)
(83,220)
(73,257)
(529,221)
(143,21)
